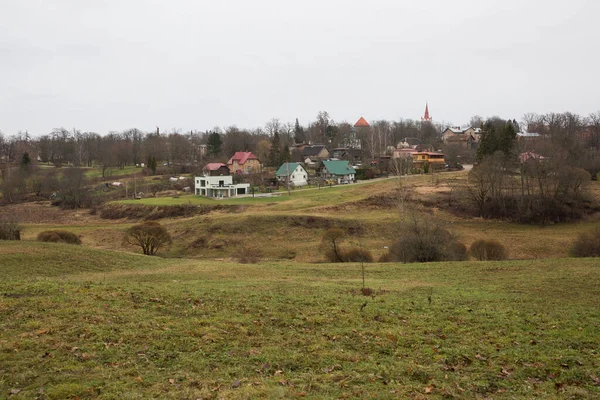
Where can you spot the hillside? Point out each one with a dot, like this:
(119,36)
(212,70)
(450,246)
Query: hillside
(104,324)
(289,227)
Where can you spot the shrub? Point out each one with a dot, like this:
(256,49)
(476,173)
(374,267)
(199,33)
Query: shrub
(58,237)
(357,254)
(10,230)
(249,255)
(425,240)
(456,251)
(150,236)
(387,257)
(488,250)
(587,244)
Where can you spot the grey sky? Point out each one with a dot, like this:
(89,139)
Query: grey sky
(116,64)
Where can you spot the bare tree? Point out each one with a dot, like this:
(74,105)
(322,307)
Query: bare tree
(149,236)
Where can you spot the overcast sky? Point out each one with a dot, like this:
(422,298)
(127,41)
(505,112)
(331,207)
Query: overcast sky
(102,65)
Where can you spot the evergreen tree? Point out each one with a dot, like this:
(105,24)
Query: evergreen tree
(496,137)
(152,164)
(25,160)
(214,144)
(286,156)
(298,132)
(275,152)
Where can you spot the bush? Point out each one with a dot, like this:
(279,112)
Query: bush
(10,230)
(425,240)
(357,254)
(457,251)
(387,257)
(150,236)
(587,244)
(58,237)
(488,250)
(249,255)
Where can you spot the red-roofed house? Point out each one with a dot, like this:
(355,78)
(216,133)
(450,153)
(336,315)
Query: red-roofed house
(244,162)
(215,169)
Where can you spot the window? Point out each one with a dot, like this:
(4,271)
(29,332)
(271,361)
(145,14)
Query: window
(293,176)
(221,183)
(202,182)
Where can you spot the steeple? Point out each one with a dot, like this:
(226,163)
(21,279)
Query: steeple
(426,117)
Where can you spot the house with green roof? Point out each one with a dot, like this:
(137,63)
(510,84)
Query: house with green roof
(339,170)
(293,174)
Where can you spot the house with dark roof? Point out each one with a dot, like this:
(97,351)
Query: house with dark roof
(293,174)
(215,169)
(312,154)
(339,170)
(244,162)
(347,153)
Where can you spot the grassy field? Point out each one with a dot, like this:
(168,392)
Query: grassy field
(85,323)
(112,172)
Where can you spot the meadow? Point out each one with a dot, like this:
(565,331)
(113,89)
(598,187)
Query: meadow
(101,321)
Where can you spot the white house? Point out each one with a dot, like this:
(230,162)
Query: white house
(292,173)
(219,187)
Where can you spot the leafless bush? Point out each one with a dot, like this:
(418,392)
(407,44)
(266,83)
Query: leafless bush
(587,244)
(357,254)
(58,237)
(387,258)
(249,255)
(150,236)
(9,230)
(423,239)
(488,250)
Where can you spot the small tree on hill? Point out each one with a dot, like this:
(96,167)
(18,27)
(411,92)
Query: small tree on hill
(150,236)
(330,244)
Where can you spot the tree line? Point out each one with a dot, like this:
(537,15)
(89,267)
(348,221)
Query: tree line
(270,143)
(541,178)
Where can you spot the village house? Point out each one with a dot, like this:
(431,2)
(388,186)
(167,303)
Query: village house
(456,136)
(315,153)
(349,154)
(244,162)
(409,143)
(215,169)
(293,174)
(434,160)
(339,170)
(219,186)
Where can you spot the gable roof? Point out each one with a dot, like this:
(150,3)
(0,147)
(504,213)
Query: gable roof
(286,169)
(313,150)
(361,123)
(214,166)
(338,167)
(241,157)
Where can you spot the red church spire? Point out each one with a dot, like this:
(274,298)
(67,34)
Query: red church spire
(426,117)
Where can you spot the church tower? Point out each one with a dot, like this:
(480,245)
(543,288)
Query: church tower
(426,117)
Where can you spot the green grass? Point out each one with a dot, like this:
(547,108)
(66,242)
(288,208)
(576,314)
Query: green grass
(109,325)
(112,172)
(298,199)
